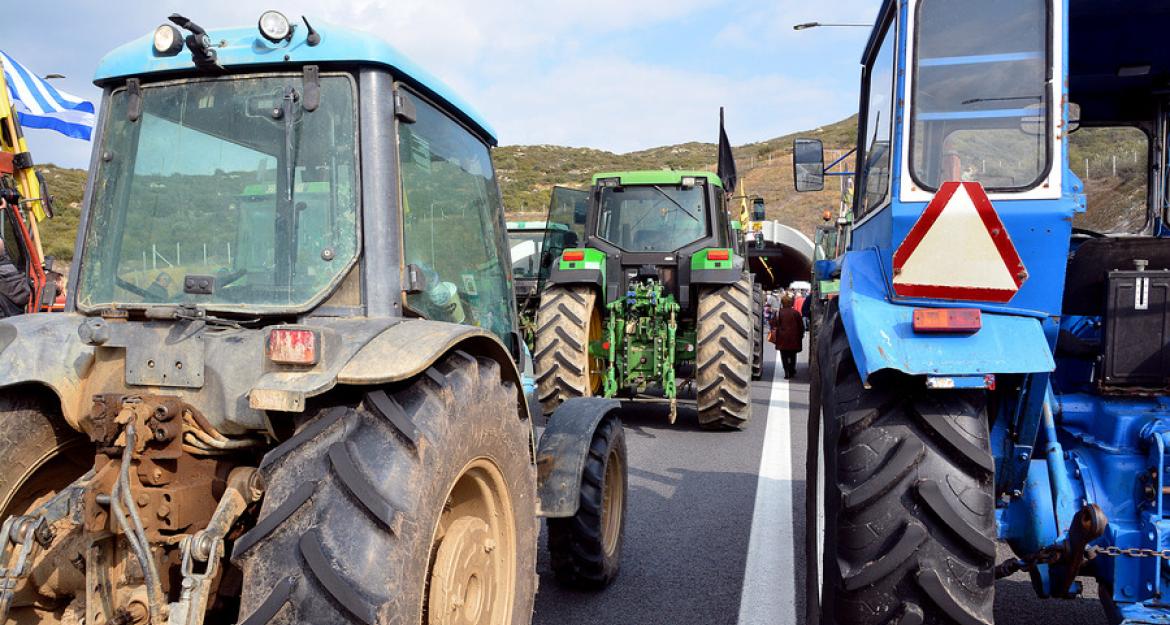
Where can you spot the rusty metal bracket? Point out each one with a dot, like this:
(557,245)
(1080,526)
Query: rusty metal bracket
(20,536)
(206,546)
(563,449)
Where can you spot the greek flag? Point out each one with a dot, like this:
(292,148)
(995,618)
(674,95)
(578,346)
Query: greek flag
(39,105)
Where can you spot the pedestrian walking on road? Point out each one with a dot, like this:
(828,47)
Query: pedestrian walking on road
(788,328)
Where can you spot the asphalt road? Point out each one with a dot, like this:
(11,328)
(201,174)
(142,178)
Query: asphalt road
(692,499)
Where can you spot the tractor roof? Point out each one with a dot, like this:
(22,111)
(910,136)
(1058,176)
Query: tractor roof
(244,47)
(658,176)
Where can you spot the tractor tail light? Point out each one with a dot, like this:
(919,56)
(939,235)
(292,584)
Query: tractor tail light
(947,320)
(574,255)
(718,254)
(293,347)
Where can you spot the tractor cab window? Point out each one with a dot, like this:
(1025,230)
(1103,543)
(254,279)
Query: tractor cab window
(652,218)
(230,178)
(453,224)
(1112,164)
(879,107)
(567,211)
(981,94)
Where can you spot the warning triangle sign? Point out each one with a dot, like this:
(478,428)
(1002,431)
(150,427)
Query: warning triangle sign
(959,250)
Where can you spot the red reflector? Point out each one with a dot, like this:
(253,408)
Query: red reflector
(957,320)
(718,254)
(574,255)
(292,347)
(605,345)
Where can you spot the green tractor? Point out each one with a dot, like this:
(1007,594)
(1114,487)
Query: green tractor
(655,291)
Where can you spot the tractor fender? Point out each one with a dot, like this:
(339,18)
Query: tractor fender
(45,350)
(881,334)
(563,449)
(394,352)
(407,349)
(563,277)
(701,273)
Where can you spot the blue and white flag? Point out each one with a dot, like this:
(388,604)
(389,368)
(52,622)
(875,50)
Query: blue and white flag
(39,105)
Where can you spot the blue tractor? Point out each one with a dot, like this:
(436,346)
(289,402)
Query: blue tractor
(286,387)
(996,366)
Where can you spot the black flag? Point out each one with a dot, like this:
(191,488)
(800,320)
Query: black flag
(726,168)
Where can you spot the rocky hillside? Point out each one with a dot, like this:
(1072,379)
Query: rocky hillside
(1114,159)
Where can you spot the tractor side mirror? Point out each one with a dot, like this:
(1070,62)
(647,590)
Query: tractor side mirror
(758,213)
(808,165)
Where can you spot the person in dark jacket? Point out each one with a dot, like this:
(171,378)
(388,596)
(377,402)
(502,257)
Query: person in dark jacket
(788,327)
(14,286)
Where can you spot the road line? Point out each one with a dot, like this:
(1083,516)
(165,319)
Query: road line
(769,592)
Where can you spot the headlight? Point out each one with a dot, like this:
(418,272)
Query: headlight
(167,40)
(275,27)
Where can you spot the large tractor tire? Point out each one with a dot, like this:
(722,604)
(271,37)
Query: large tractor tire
(41,455)
(724,362)
(569,319)
(413,505)
(758,334)
(585,549)
(900,513)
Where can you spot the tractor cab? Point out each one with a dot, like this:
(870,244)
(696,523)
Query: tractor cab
(660,226)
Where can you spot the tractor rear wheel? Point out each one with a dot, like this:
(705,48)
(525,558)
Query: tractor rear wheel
(724,361)
(586,548)
(900,513)
(413,505)
(569,320)
(757,331)
(41,455)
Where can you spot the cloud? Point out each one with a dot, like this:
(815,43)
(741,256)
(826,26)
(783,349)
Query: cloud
(620,105)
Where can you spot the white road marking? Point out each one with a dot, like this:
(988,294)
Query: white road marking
(769,592)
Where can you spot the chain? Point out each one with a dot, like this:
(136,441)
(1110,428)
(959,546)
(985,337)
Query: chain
(1048,555)
(1092,551)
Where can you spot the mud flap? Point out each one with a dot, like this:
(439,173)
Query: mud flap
(563,449)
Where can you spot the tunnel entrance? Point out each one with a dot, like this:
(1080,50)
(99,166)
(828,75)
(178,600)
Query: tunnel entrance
(786,257)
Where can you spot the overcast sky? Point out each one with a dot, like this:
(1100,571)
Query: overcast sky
(618,75)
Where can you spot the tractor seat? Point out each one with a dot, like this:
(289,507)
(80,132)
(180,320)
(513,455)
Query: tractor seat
(1086,287)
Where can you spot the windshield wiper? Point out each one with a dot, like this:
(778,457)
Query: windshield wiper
(290,99)
(680,206)
(286,215)
(193,313)
(1006,99)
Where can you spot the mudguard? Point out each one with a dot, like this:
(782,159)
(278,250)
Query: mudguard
(590,270)
(405,350)
(45,350)
(705,271)
(881,336)
(563,449)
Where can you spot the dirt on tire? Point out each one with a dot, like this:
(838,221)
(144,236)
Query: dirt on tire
(357,496)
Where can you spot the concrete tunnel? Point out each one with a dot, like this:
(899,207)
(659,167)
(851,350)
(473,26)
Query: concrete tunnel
(786,257)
